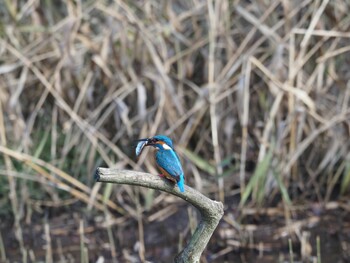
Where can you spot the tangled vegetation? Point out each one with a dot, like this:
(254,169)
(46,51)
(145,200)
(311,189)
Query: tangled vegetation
(256,95)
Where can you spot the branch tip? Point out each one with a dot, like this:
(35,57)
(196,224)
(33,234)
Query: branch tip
(97,175)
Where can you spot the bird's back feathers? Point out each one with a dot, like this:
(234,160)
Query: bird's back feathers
(169,162)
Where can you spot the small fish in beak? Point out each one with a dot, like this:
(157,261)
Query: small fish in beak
(140,145)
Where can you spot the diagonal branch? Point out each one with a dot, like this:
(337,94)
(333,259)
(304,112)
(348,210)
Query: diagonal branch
(211,211)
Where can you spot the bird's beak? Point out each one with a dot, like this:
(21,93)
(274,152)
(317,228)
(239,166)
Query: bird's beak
(147,141)
(142,140)
(151,142)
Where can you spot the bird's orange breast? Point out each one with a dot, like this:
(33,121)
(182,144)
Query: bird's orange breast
(166,174)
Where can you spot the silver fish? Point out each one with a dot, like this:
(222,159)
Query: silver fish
(139,147)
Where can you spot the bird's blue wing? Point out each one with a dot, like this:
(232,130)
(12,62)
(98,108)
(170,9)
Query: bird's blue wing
(170,162)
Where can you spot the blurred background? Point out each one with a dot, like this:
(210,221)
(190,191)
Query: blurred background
(254,94)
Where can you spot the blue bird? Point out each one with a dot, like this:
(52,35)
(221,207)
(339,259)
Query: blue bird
(167,160)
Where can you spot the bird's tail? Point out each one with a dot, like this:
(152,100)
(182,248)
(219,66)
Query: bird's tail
(181,184)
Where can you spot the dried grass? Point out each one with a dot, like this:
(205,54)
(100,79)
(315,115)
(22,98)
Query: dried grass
(237,85)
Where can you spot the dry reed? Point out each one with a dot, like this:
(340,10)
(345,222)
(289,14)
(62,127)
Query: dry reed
(256,96)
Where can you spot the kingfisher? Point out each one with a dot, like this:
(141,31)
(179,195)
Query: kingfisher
(167,160)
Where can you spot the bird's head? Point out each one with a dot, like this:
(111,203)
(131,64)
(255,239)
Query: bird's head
(160,142)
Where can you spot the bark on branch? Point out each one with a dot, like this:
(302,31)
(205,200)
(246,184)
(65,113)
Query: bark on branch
(211,211)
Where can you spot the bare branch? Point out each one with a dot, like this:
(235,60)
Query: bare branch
(211,211)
